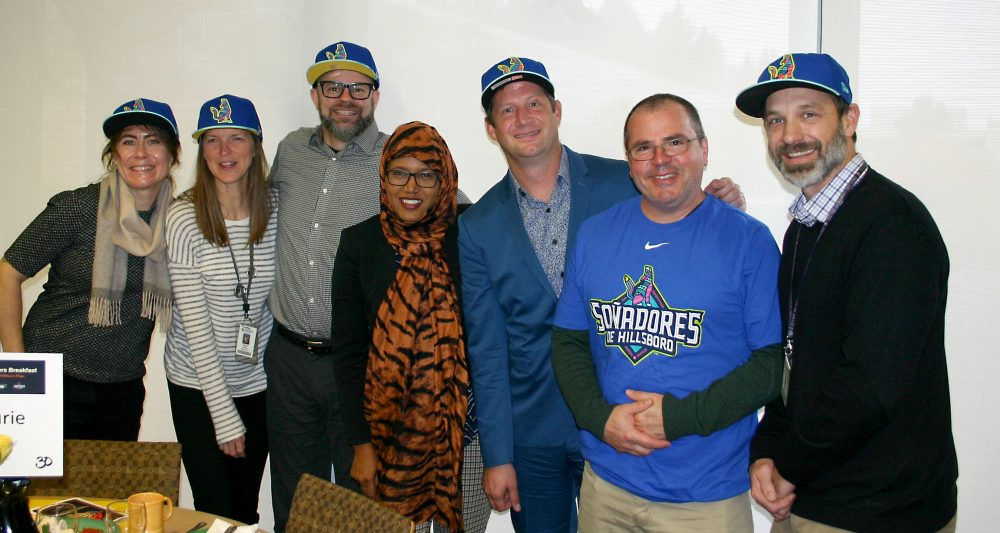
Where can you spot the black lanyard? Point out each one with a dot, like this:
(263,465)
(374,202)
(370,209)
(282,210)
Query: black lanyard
(793,299)
(242,292)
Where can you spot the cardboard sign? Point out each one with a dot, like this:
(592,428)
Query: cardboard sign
(31,414)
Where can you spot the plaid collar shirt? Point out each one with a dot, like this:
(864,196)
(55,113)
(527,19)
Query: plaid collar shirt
(824,205)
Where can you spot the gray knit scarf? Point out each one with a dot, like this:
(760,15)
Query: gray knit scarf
(120,232)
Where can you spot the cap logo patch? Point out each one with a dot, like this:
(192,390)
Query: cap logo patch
(844,88)
(785,69)
(515,66)
(339,53)
(136,106)
(224,113)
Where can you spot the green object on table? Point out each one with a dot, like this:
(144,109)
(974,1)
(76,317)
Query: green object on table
(90,525)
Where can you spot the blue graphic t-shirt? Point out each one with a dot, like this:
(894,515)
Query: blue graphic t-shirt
(671,308)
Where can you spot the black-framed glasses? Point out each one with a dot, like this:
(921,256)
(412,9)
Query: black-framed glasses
(333,89)
(670,147)
(399,177)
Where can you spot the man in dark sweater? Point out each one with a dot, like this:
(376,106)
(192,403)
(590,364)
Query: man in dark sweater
(860,438)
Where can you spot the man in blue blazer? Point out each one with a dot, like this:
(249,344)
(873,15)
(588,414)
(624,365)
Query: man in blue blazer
(512,246)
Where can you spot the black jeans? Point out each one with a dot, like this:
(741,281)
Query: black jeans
(102,411)
(221,484)
(303,421)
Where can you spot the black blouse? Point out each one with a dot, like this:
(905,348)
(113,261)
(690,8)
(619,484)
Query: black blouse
(363,270)
(63,236)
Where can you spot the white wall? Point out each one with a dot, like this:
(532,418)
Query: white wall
(67,64)
(927,77)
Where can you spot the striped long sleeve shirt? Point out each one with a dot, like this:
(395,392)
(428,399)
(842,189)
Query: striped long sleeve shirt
(200,352)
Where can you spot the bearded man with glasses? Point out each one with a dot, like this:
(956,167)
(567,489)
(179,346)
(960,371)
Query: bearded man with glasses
(861,438)
(327,180)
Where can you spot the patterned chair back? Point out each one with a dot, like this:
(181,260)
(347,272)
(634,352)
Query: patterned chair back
(319,505)
(113,469)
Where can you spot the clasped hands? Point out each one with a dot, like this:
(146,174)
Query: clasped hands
(637,427)
(773,492)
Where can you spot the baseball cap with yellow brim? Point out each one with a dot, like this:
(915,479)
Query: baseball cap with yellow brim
(343,56)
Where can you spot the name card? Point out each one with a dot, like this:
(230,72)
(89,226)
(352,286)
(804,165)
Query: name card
(31,414)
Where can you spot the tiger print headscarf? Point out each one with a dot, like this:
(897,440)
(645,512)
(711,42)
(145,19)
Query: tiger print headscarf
(417,378)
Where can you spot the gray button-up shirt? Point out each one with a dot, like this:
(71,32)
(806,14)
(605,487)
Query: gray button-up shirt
(320,192)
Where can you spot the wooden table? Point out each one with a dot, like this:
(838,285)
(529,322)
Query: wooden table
(181,520)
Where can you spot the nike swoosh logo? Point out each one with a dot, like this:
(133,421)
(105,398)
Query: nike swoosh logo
(654,246)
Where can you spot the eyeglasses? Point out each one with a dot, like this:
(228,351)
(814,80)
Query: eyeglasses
(425,178)
(333,89)
(670,147)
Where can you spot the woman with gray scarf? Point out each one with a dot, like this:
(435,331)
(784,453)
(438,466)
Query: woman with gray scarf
(108,279)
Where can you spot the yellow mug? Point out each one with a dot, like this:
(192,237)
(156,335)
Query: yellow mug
(158,509)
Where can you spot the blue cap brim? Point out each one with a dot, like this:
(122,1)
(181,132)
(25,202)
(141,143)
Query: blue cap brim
(512,77)
(120,121)
(198,133)
(751,100)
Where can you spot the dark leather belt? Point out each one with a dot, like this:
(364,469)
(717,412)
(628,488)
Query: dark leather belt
(316,346)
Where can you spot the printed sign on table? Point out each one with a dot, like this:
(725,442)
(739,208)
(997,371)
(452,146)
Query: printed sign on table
(31,415)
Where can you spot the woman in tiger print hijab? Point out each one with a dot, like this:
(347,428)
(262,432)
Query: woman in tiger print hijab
(417,375)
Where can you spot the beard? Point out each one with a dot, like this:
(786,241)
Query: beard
(807,174)
(350,131)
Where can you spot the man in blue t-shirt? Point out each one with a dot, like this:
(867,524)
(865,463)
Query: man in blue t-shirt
(512,246)
(666,339)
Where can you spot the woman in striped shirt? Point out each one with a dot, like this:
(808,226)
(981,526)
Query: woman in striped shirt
(221,236)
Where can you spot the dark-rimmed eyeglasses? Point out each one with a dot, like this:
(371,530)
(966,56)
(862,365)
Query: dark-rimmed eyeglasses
(670,148)
(333,89)
(399,177)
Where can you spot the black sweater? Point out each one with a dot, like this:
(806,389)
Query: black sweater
(866,435)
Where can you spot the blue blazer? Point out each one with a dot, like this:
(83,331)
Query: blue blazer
(509,303)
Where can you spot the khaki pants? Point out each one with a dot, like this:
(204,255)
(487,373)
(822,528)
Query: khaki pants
(605,508)
(797,524)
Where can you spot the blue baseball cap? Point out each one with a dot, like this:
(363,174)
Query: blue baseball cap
(141,111)
(513,69)
(343,56)
(813,71)
(228,111)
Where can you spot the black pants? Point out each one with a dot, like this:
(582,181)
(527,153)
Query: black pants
(220,484)
(303,421)
(102,411)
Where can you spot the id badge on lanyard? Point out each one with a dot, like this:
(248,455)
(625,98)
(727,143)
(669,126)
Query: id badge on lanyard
(246,342)
(793,299)
(246,334)
(786,374)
